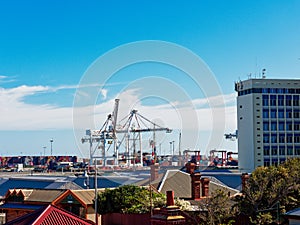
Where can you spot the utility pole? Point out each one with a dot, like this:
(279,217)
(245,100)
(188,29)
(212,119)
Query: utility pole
(96,193)
(44,150)
(51,141)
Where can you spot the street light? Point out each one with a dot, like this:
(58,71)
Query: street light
(51,141)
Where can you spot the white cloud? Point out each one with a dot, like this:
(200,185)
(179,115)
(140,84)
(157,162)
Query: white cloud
(197,116)
(6,79)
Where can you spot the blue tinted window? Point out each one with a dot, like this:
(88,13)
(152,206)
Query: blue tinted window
(296,100)
(281,150)
(280,100)
(289,126)
(265,100)
(274,150)
(273,100)
(265,113)
(289,150)
(273,113)
(281,138)
(266,126)
(281,126)
(266,150)
(280,113)
(297,150)
(288,100)
(273,126)
(289,113)
(289,138)
(266,138)
(274,138)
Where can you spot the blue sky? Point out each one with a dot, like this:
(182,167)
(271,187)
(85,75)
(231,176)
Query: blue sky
(46,47)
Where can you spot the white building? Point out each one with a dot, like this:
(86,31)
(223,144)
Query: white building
(268,114)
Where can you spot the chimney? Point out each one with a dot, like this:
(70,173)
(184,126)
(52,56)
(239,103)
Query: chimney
(196,185)
(190,167)
(170,198)
(154,171)
(205,186)
(245,178)
(168,215)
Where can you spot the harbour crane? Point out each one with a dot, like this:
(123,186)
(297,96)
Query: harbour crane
(108,134)
(134,125)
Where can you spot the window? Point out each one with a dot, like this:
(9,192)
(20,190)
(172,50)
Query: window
(289,150)
(289,126)
(281,150)
(281,126)
(296,113)
(280,100)
(296,100)
(274,138)
(274,162)
(265,113)
(273,113)
(297,150)
(291,91)
(280,113)
(265,90)
(289,138)
(266,162)
(289,113)
(273,100)
(273,126)
(297,138)
(274,150)
(288,100)
(281,138)
(266,138)
(265,100)
(266,150)
(297,126)
(266,126)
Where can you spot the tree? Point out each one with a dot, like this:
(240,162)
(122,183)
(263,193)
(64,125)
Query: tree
(129,199)
(219,209)
(271,187)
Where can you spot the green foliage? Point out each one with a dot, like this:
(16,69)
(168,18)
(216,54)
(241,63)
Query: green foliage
(128,199)
(219,209)
(262,219)
(269,186)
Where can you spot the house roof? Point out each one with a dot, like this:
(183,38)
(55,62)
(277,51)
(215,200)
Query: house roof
(180,182)
(295,214)
(19,206)
(37,182)
(36,195)
(86,196)
(50,215)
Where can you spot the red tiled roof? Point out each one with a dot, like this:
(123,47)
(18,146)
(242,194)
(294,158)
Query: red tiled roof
(51,215)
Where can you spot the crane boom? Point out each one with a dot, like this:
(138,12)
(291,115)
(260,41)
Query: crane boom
(145,130)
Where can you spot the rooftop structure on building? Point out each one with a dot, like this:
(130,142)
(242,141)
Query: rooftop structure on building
(268,116)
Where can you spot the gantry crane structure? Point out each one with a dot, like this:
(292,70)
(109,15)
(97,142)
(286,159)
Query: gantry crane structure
(135,124)
(111,134)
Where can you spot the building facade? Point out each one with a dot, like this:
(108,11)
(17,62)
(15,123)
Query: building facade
(268,115)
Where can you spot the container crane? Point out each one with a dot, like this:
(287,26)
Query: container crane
(136,124)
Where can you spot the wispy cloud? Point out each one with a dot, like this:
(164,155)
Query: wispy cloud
(6,79)
(18,115)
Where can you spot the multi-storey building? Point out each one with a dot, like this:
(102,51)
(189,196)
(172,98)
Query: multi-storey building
(268,114)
